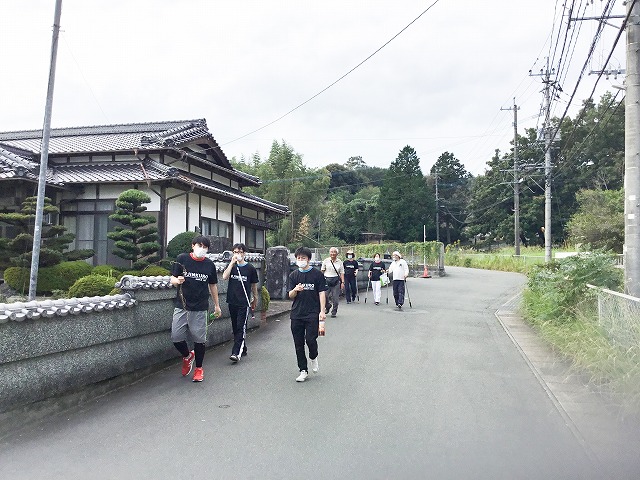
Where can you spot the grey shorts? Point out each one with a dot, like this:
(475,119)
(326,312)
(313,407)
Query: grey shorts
(193,323)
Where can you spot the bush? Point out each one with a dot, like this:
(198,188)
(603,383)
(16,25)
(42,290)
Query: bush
(107,270)
(155,271)
(58,277)
(92,285)
(555,289)
(181,243)
(266,298)
(135,273)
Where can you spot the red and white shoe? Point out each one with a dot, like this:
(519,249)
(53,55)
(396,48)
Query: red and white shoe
(198,375)
(187,363)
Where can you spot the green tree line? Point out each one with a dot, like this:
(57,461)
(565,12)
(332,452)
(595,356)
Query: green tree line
(341,203)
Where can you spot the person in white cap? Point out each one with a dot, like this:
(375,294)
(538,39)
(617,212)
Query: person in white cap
(399,270)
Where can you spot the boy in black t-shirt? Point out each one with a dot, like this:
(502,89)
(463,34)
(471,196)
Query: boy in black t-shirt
(196,278)
(307,288)
(242,295)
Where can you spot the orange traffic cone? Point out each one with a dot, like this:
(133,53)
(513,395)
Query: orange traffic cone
(426,273)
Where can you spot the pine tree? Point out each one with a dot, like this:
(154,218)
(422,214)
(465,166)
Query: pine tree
(54,239)
(137,241)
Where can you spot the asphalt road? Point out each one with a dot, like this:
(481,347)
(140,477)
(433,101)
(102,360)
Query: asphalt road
(437,391)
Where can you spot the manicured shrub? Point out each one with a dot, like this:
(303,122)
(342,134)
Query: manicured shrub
(92,285)
(62,276)
(155,271)
(107,270)
(135,273)
(181,243)
(58,277)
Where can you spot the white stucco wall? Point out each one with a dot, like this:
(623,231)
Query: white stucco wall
(225,212)
(208,207)
(176,215)
(220,179)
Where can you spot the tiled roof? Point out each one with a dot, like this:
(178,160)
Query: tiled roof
(253,222)
(117,138)
(150,170)
(13,165)
(113,172)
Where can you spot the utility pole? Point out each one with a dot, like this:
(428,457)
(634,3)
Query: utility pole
(44,155)
(437,210)
(632,154)
(547,170)
(548,142)
(516,180)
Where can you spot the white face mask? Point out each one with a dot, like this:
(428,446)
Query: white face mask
(302,264)
(239,257)
(200,252)
(349,256)
(377,259)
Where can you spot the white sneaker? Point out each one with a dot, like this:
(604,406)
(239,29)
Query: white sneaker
(303,376)
(314,365)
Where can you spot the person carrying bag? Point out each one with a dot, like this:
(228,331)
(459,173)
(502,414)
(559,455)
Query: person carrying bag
(333,271)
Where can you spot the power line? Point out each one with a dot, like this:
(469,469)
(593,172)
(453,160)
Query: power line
(336,81)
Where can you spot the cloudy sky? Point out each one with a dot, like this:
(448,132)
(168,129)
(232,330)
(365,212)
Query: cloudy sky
(438,86)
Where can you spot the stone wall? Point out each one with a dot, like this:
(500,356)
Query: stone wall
(50,348)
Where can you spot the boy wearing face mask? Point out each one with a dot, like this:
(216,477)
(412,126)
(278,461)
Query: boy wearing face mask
(350,266)
(196,278)
(375,272)
(242,295)
(307,288)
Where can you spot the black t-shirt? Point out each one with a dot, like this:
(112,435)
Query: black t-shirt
(198,274)
(350,267)
(235,293)
(376,270)
(306,304)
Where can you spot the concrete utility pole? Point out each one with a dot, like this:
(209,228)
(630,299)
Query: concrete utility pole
(547,170)
(44,155)
(516,179)
(632,154)
(437,211)
(548,142)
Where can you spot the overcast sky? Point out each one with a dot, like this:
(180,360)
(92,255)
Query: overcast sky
(438,86)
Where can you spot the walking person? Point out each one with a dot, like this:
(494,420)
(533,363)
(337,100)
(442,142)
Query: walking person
(376,269)
(196,278)
(242,296)
(400,271)
(307,287)
(333,271)
(350,266)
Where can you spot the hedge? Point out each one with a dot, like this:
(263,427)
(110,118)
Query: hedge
(91,286)
(57,277)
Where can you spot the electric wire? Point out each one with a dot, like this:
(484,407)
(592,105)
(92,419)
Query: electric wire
(336,81)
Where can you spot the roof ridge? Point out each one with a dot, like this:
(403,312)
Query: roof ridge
(98,129)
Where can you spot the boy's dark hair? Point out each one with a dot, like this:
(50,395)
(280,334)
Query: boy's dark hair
(374,255)
(202,240)
(240,246)
(303,251)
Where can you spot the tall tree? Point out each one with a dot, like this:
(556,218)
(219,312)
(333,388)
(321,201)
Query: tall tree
(453,190)
(406,204)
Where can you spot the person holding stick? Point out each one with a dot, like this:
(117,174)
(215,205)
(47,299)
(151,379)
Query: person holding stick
(399,271)
(243,277)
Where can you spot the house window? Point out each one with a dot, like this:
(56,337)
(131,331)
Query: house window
(89,221)
(215,228)
(254,239)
